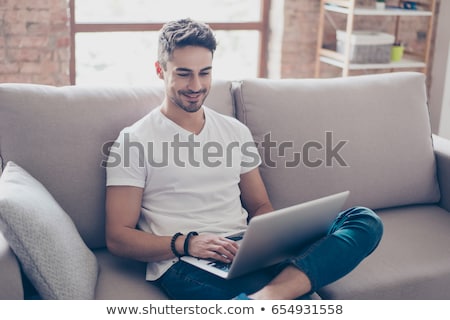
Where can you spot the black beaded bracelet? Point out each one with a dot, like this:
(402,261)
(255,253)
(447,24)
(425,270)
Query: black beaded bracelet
(186,242)
(172,244)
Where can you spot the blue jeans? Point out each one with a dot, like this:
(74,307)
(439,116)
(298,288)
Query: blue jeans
(354,234)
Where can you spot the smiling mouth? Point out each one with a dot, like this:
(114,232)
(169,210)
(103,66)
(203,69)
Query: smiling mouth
(192,96)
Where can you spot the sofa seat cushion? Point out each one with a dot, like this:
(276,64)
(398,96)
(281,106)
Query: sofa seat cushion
(44,238)
(123,279)
(411,262)
(367,134)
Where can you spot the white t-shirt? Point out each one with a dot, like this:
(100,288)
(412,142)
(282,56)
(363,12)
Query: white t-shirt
(190,181)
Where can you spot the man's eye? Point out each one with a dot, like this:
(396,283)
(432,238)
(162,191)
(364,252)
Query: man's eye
(183,74)
(204,74)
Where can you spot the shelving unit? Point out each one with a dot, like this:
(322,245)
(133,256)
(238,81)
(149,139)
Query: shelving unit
(348,8)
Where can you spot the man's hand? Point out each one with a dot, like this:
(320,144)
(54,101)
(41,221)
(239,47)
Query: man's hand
(211,246)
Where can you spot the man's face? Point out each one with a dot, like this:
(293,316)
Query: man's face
(188,77)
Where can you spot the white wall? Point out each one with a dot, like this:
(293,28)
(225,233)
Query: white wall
(440,76)
(444,125)
(275,39)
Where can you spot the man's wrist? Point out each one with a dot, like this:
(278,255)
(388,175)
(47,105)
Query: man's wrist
(179,245)
(186,242)
(175,244)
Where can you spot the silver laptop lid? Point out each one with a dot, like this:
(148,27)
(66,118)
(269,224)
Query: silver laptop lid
(273,237)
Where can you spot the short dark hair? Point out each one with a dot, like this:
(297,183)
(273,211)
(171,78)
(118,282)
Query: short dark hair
(182,33)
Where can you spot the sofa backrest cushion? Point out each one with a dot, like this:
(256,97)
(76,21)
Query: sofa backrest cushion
(60,136)
(368,134)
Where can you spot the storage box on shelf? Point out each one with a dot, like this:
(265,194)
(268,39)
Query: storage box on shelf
(366,46)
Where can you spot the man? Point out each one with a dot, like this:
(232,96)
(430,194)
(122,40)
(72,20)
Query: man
(165,201)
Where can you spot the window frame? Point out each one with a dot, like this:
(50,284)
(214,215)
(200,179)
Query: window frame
(262,26)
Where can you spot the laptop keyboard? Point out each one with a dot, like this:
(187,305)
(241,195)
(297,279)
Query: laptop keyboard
(237,237)
(220,265)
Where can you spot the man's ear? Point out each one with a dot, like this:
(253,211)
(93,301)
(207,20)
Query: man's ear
(159,70)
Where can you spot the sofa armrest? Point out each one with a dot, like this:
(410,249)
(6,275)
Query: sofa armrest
(11,287)
(442,152)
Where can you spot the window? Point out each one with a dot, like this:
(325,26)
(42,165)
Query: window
(115,41)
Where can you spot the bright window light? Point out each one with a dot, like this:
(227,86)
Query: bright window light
(128,57)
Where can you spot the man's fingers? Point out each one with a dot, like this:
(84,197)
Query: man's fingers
(214,247)
(227,249)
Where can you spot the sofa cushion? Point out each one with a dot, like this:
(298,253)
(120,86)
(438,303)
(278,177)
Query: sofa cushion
(442,152)
(61,135)
(10,277)
(128,275)
(44,238)
(411,262)
(367,134)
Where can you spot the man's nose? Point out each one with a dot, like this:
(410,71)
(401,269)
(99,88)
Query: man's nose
(195,83)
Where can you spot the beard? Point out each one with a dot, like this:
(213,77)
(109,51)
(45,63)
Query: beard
(188,100)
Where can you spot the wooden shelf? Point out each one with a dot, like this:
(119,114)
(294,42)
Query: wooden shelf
(338,60)
(377,12)
(349,8)
(404,63)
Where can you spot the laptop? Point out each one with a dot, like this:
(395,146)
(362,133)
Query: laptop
(276,236)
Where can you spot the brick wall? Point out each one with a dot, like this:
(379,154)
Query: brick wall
(34,41)
(300,37)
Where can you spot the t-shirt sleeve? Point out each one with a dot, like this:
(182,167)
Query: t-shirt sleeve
(250,156)
(126,162)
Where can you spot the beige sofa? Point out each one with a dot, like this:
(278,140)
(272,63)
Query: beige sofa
(367,134)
